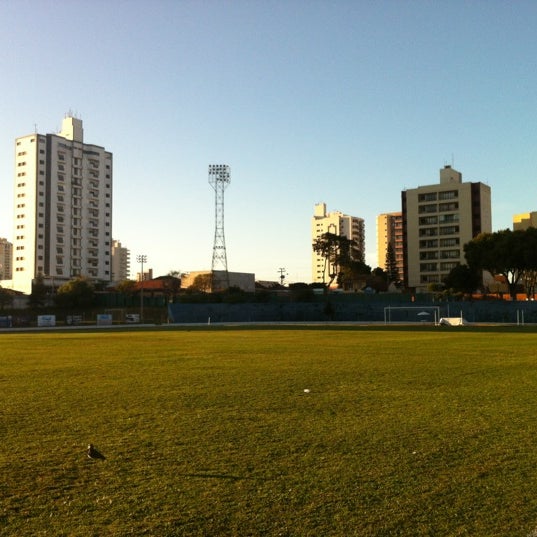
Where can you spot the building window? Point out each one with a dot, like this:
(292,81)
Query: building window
(448,218)
(429,196)
(428,232)
(428,267)
(448,195)
(449,230)
(448,266)
(455,241)
(453,206)
(450,254)
(427,208)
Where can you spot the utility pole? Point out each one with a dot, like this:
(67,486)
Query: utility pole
(283,274)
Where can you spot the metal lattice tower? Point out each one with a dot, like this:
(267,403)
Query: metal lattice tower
(219,178)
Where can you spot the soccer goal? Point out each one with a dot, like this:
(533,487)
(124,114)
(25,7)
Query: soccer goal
(412,314)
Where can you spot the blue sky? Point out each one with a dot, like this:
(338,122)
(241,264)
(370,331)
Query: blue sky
(307,101)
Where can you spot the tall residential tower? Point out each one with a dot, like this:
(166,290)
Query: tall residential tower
(438,220)
(6,259)
(63,208)
(121,262)
(337,223)
(390,232)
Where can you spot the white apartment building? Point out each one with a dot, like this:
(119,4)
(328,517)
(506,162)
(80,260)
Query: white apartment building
(6,254)
(337,223)
(121,262)
(63,208)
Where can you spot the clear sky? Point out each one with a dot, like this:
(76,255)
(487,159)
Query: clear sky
(346,102)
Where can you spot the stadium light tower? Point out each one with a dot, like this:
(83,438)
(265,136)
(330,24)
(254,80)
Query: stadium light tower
(142,258)
(219,179)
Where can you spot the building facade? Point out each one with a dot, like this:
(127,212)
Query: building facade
(437,221)
(337,223)
(63,208)
(210,281)
(146,276)
(523,221)
(390,232)
(121,262)
(6,259)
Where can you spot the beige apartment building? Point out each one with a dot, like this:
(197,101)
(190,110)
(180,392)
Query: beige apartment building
(523,221)
(6,259)
(337,223)
(437,221)
(63,208)
(121,262)
(390,231)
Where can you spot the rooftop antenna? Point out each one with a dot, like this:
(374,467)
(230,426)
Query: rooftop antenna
(219,179)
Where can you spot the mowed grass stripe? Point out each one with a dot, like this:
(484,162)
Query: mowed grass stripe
(211,433)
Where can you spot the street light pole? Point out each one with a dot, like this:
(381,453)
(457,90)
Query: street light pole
(141,259)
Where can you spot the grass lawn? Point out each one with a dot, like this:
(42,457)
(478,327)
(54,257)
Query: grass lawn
(211,433)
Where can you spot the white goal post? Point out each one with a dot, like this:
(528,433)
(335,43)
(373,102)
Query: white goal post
(426,313)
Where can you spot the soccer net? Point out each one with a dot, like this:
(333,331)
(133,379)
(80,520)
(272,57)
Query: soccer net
(412,314)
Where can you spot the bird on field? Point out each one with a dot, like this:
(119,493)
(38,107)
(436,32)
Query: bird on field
(94,453)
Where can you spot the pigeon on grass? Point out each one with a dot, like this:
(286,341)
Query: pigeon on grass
(93,453)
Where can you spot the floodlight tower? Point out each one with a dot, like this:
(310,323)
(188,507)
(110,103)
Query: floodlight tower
(219,179)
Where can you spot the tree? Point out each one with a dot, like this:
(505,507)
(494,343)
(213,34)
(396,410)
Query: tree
(126,287)
(378,280)
(337,251)
(500,253)
(38,295)
(462,279)
(171,285)
(6,297)
(353,275)
(76,293)
(391,265)
(203,282)
(301,292)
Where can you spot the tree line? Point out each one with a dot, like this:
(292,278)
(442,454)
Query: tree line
(506,253)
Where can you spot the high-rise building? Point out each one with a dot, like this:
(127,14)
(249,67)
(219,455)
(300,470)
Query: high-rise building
(524,220)
(63,208)
(438,220)
(390,232)
(121,262)
(145,276)
(337,223)
(6,259)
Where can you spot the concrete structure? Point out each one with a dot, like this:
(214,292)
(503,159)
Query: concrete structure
(63,208)
(6,259)
(337,223)
(390,231)
(121,262)
(207,279)
(437,221)
(524,221)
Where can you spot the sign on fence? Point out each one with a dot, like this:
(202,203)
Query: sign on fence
(104,319)
(46,320)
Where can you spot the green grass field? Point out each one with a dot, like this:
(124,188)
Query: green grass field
(210,433)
